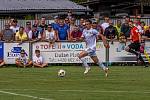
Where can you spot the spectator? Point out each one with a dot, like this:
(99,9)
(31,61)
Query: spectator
(110,32)
(76,33)
(122,42)
(82,24)
(125,29)
(21,35)
(118,27)
(56,22)
(67,21)
(28,27)
(36,22)
(14,26)
(72,24)
(144,26)
(50,35)
(96,26)
(11,22)
(105,24)
(43,24)
(7,34)
(38,60)
(2,63)
(34,34)
(137,24)
(69,14)
(62,31)
(147,32)
(127,19)
(22,60)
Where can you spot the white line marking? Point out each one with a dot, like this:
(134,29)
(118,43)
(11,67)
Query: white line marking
(88,91)
(24,95)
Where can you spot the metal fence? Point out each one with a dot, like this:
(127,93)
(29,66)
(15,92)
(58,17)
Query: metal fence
(23,22)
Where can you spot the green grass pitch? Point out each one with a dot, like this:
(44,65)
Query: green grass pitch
(123,83)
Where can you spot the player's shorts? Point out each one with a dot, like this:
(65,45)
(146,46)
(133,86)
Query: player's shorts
(135,46)
(90,52)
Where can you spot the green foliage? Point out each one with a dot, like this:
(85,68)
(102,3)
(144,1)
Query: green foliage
(79,1)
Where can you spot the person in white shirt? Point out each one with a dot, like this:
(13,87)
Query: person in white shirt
(89,36)
(105,24)
(50,35)
(14,26)
(38,60)
(23,60)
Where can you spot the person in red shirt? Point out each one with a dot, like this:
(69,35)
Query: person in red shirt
(134,47)
(76,33)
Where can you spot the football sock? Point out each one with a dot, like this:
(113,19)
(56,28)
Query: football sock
(84,62)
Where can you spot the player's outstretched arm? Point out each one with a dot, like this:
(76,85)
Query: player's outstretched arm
(104,40)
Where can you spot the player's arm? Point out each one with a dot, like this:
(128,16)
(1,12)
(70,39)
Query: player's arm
(104,40)
(139,37)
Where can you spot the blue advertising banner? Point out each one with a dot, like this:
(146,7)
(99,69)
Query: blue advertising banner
(1,50)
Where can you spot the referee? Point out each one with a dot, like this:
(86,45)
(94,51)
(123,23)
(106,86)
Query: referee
(134,47)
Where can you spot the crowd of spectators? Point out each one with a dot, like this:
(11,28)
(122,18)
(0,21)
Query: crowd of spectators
(66,29)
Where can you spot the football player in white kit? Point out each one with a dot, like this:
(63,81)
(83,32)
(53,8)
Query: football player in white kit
(90,36)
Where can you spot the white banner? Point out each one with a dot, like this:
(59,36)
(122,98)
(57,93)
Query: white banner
(66,52)
(12,51)
(118,54)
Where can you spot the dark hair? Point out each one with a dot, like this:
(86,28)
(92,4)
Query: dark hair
(21,27)
(88,20)
(94,22)
(15,21)
(37,51)
(22,51)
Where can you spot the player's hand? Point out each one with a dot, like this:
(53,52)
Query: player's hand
(107,45)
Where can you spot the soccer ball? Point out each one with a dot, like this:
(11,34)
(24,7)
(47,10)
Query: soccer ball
(61,73)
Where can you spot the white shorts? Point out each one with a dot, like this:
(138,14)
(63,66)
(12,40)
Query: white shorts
(90,52)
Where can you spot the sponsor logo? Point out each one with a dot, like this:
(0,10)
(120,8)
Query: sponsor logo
(15,52)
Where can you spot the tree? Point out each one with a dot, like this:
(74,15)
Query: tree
(79,1)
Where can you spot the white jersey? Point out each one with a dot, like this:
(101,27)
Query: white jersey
(23,60)
(15,29)
(90,38)
(50,35)
(38,60)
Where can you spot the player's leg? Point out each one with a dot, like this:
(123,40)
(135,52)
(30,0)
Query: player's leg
(37,65)
(19,64)
(139,57)
(44,65)
(134,48)
(81,57)
(29,64)
(131,48)
(100,64)
(2,63)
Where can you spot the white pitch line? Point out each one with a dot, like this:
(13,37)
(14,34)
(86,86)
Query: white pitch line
(24,95)
(88,91)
